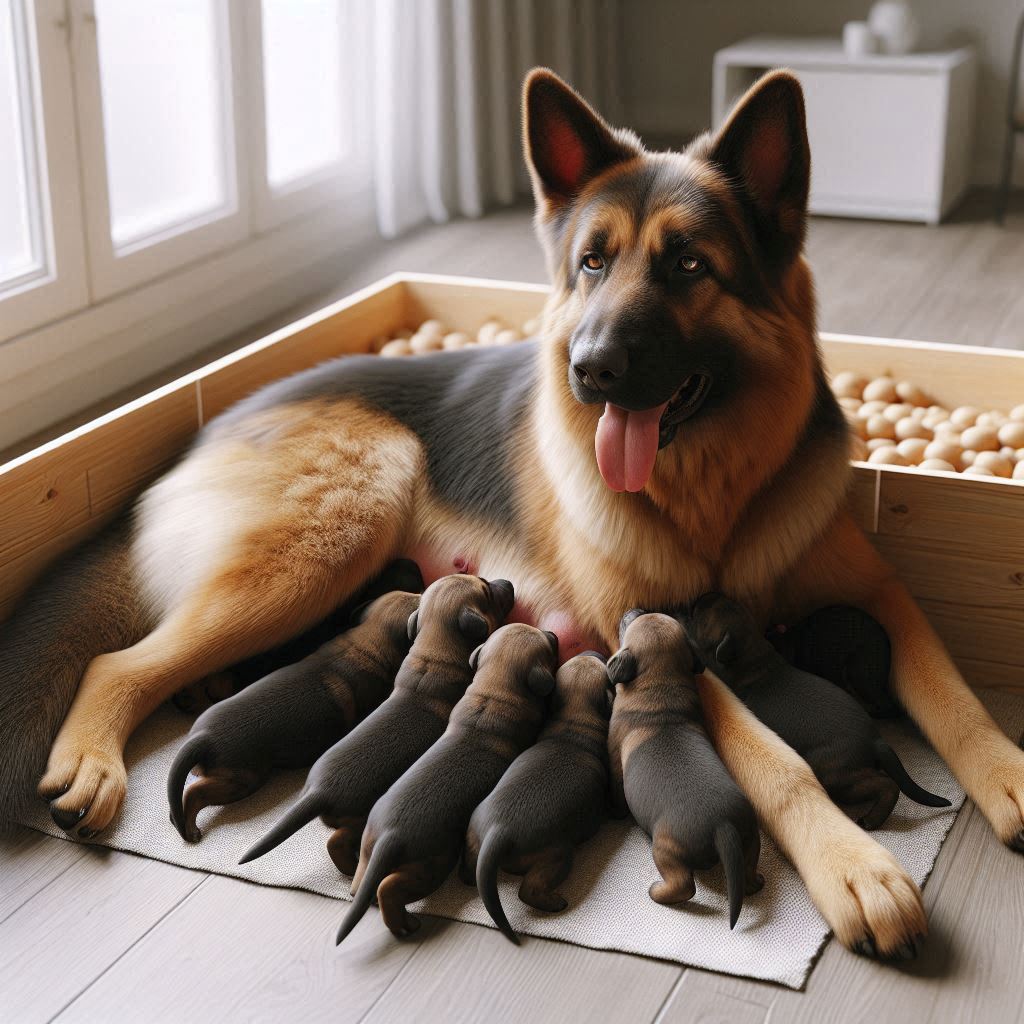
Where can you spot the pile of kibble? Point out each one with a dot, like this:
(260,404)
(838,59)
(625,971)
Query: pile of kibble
(896,424)
(433,336)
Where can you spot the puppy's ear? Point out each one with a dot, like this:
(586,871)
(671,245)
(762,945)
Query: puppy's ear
(609,701)
(630,617)
(473,625)
(414,624)
(622,667)
(553,640)
(474,658)
(358,614)
(567,143)
(540,680)
(725,652)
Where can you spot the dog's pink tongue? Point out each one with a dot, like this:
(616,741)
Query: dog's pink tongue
(627,445)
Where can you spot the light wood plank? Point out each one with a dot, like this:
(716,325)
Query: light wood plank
(703,997)
(466,973)
(61,940)
(241,952)
(29,861)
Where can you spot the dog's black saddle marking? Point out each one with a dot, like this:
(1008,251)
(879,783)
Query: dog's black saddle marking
(468,408)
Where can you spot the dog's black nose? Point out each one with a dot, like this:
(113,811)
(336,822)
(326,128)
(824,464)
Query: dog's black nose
(600,368)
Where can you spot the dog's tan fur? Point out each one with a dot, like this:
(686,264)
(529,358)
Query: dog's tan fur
(274,519)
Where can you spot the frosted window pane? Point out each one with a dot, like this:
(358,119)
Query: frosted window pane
(163,117)
(19,253)
(302,88)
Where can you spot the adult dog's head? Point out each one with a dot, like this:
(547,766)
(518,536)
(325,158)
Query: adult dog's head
(682,308)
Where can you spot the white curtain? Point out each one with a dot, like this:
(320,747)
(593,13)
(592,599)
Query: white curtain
(443,80)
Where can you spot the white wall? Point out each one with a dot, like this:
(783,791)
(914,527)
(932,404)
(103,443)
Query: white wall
(668,47)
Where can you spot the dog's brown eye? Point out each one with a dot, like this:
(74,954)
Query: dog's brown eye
(690,264)
(592,263)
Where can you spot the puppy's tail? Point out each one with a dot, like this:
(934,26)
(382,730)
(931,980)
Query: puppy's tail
(192,752)
(88,603)
(381,863)
(729,846)
(893,767)
(493,850)
(301,813)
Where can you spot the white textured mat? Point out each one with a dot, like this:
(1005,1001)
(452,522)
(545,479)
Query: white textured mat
(777,938)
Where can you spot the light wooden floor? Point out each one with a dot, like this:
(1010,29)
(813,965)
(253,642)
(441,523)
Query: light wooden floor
(93,935)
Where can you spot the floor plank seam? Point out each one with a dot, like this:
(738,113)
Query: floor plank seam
(44,886)
(669,996)
(113,963)
(394,978)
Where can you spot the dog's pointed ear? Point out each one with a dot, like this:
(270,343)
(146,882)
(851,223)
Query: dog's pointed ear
(358,614)
(566,141)
(725,652)
(622,666)
(473,625)
(413,626)
(474,658)
(763,149)
(540,680)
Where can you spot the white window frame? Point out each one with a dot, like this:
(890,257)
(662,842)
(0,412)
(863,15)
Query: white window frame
(112,270)
(61,285)
(325,188)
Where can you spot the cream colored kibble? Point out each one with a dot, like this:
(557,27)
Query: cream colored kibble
(981,439)
(1020,454)
(397,347)
(507,337)
(912,449)
(978,471)
(1017,413)
(1018,470)
(967,457)
(848,385)
(940,465)
(947,430)
(1012,433)
(850,404)
(963,416)
(432,327)
(422,343)
(874,443)
(909,427)
(879,426)
(999,465)
(1008,453)
(888,456)
(908,391)
(486,334)
(882,389)
(377,343)
(944,451)
(876,408)
(991,419)
(897,411)
(457,339)
(919,412)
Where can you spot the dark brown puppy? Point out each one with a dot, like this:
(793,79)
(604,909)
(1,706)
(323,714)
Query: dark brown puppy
(415,832)
(553,797)
(820,721)
(665,770)
(290,717)
(456,614)
(847,647)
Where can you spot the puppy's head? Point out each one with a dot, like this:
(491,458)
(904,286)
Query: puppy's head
(389,614)
(464,609)
(650,642)
(520,657)
(721,631)
(583,684)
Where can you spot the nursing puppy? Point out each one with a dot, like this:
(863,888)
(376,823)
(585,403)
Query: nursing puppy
(553,797)
(415,832)
(289,718)
(455,615)
(821,722)
(847,647)
(665,770)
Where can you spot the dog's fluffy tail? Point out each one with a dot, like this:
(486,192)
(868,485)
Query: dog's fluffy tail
(893,767)
(729,846)
(190,753)
(493,850)
(301,813)
(382,862)
(88,603)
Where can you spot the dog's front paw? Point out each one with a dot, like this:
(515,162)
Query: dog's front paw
(85,788)
(872,904)
(1001,798)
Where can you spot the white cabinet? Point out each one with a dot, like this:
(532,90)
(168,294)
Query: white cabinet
(890,136)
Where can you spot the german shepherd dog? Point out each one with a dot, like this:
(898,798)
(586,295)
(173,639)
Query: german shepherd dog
(671,432)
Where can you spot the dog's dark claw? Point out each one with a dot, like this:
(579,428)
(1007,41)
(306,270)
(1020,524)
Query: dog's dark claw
(1017,842)
(67,820)
(88,833)
(866,947)
(906,952)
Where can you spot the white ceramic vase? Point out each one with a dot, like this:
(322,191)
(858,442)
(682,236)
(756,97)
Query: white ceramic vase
(894,26)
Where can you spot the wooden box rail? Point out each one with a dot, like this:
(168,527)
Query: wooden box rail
(957,541)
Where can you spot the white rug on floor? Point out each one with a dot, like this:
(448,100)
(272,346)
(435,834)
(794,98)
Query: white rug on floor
(777,938)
